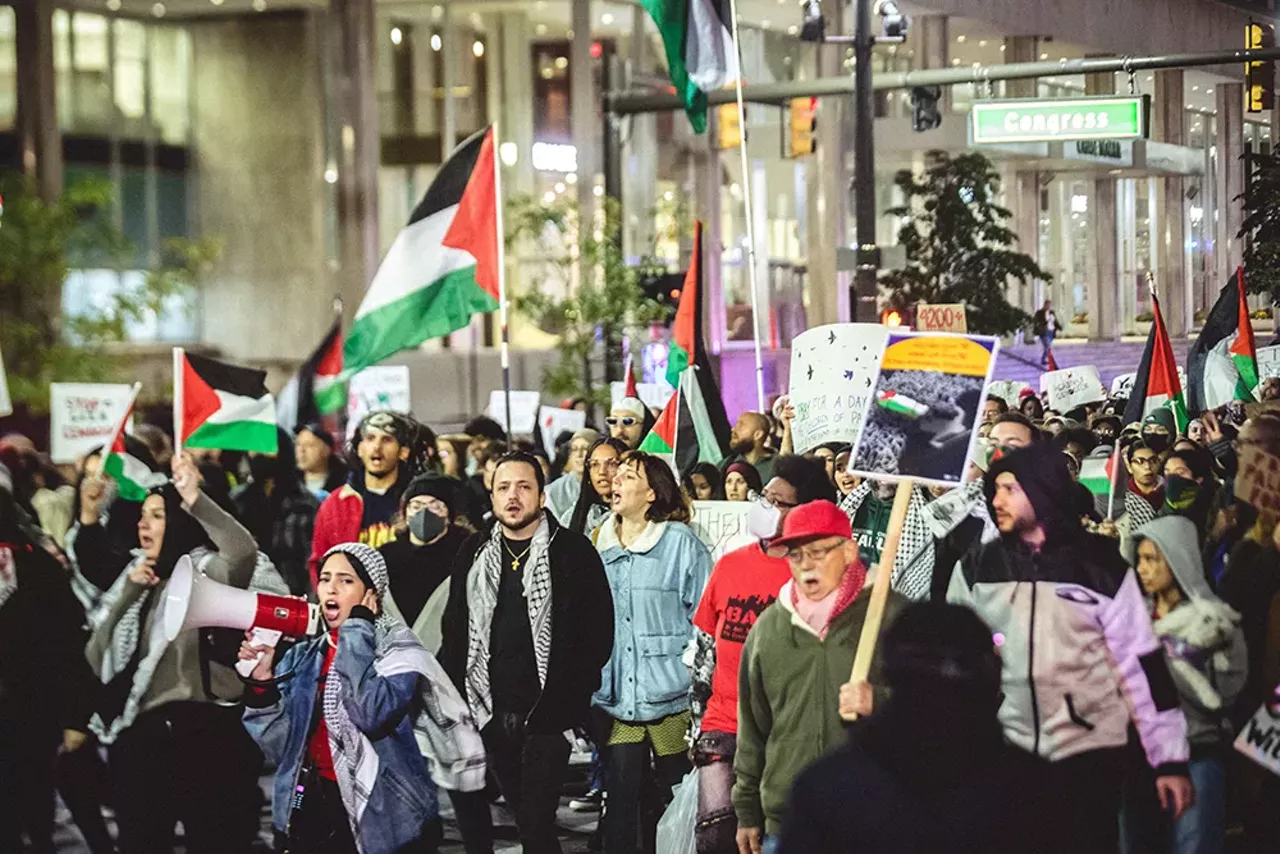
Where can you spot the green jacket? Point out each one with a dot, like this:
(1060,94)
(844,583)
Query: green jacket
(788,701)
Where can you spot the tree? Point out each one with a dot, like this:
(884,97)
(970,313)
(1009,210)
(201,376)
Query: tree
(1261,228)
(958,247)
(40,242)
(602,295)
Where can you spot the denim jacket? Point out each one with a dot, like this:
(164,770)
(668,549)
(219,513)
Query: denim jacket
(656,583)
(279,720)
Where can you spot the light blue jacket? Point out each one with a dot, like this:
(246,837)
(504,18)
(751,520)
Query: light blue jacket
(403,796)
(656,585)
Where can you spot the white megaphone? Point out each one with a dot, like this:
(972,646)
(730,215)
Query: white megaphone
(193,601)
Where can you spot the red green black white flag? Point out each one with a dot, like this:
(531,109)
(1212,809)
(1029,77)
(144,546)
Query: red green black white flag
(1156,383)
(1223,363)
(217,405)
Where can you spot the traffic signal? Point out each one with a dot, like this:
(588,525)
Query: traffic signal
(925,114)
(803,125)
(891,317)
(730,129)
(1260,76)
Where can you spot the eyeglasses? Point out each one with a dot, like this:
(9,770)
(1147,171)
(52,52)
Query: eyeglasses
(775,501)
(1145,461)
(625,421)
(812,554)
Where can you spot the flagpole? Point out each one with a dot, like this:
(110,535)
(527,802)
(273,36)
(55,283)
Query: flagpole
(1111,481)
(502,283)
(675,433)
(748,204)
(179,359)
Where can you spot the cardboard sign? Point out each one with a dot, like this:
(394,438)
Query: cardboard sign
(380,387)
(1268,362)
(1260,738)
(82,417)
(1258,479)
(721,525)
(524,409)
(1122,385)
(927,407)
(833,371)
(6,405)
(942,317)
(554,420)
(1010,391)
(1072,387)
(652,395)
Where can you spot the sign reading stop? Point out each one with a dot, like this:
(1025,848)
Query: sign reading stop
(943,317)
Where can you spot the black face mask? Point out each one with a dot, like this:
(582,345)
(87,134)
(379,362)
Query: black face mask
(426,526)
(1157,442)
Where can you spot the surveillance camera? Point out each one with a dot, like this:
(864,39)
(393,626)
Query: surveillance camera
(813,27)
(893,23)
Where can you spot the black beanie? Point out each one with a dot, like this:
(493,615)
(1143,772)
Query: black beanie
(437,486)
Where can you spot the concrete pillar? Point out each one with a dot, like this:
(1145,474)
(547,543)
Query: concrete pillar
(828,187)
(1026,223)
(1173,284)
(639,160)
(1021,49)
(39,137)
(1104,290)
(935,50)
(450,52)
(583,101)
(353,34)
(1229,181)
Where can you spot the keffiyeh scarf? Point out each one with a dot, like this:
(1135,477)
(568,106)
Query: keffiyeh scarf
(913,564)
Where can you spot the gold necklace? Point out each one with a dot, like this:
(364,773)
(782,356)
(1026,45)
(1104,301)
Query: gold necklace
(515,558)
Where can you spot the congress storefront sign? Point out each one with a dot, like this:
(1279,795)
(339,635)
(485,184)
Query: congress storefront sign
(1054,120)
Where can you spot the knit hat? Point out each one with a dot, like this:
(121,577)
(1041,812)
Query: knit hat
(1162,417)
(316,430)
(634,405)
(588,433)
(437,486)
(368,564)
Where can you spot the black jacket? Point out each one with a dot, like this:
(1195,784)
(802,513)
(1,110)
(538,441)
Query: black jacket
(283,525)
(581,628)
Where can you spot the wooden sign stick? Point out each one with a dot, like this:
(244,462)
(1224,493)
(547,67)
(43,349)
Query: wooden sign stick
(880,589)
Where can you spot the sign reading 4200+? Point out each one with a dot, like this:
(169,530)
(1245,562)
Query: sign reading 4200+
(1059,119)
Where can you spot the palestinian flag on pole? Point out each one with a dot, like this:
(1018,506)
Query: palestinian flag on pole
(1223,363)
(1156,383)
(317,388)
(697,36)
(132,476)
(441,269)
(1097,474)
(222,406)
(693,426)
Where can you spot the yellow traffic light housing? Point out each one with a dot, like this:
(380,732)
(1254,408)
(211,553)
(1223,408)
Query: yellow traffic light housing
(802,125)
(1260,75)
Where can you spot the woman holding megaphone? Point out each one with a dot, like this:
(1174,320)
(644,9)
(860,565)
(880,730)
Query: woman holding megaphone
(169,715)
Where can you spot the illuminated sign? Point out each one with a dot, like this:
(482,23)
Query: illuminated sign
(554,157)
(993,122)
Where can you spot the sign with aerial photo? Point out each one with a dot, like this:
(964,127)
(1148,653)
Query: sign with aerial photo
(1059,119)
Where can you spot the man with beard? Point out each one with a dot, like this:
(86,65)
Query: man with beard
(387,450)
(748,443)
(527,631)
(280,512)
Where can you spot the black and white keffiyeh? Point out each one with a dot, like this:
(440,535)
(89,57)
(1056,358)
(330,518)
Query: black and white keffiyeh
(482,596)
(913,564)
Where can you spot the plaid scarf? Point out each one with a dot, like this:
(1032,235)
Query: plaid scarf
(913,564)
(482,595)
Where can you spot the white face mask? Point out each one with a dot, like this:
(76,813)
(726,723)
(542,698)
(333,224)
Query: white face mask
(762,519)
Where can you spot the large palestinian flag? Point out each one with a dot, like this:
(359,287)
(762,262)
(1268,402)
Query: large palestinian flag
(1223,363)
(697,36)
(317,388)
(693,427)
(217,405)
(1156,383)
(441,269)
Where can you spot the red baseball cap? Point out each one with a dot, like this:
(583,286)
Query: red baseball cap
(813,521)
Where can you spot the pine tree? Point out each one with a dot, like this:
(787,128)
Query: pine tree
(958,247)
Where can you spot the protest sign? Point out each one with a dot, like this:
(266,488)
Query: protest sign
(380,387)
(524,410)
(1258,479)
(833,370)
(1260,738)
(1072,387)
(1009,391)
(928,397)
(943,317)
(1122,385)
(1268,362)
(82,417)
(554,421)
(652,395)
(721,525)
(6,405)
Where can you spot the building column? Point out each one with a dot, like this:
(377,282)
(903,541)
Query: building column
(1172,281)
(1025,193)
(583,100)
(39,137)
(1229,182)
(935,50)
(1021,49)
(639,156)
(352,36)
(1104,291)
(828,188)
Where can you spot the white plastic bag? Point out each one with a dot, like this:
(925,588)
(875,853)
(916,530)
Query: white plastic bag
(675,830)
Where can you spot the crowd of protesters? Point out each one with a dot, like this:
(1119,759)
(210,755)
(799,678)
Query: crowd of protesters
(1058,670)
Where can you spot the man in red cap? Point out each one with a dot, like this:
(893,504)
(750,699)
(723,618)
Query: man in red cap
(795,659)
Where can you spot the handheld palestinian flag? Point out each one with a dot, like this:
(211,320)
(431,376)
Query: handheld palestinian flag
(441,269)
(1156,383)
(1097,474)
(697,37)
(1223,363)
(132,476)
(693,426)
(222,406)
(317,388)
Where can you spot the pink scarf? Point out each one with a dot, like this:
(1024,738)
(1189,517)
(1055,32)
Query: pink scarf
(818,615)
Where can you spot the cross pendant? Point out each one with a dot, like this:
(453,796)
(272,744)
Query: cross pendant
(515,564)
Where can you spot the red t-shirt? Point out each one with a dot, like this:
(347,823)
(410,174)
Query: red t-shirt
(742,585)
(318,745)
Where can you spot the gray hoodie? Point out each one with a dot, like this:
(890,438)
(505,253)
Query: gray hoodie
(1201,636)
